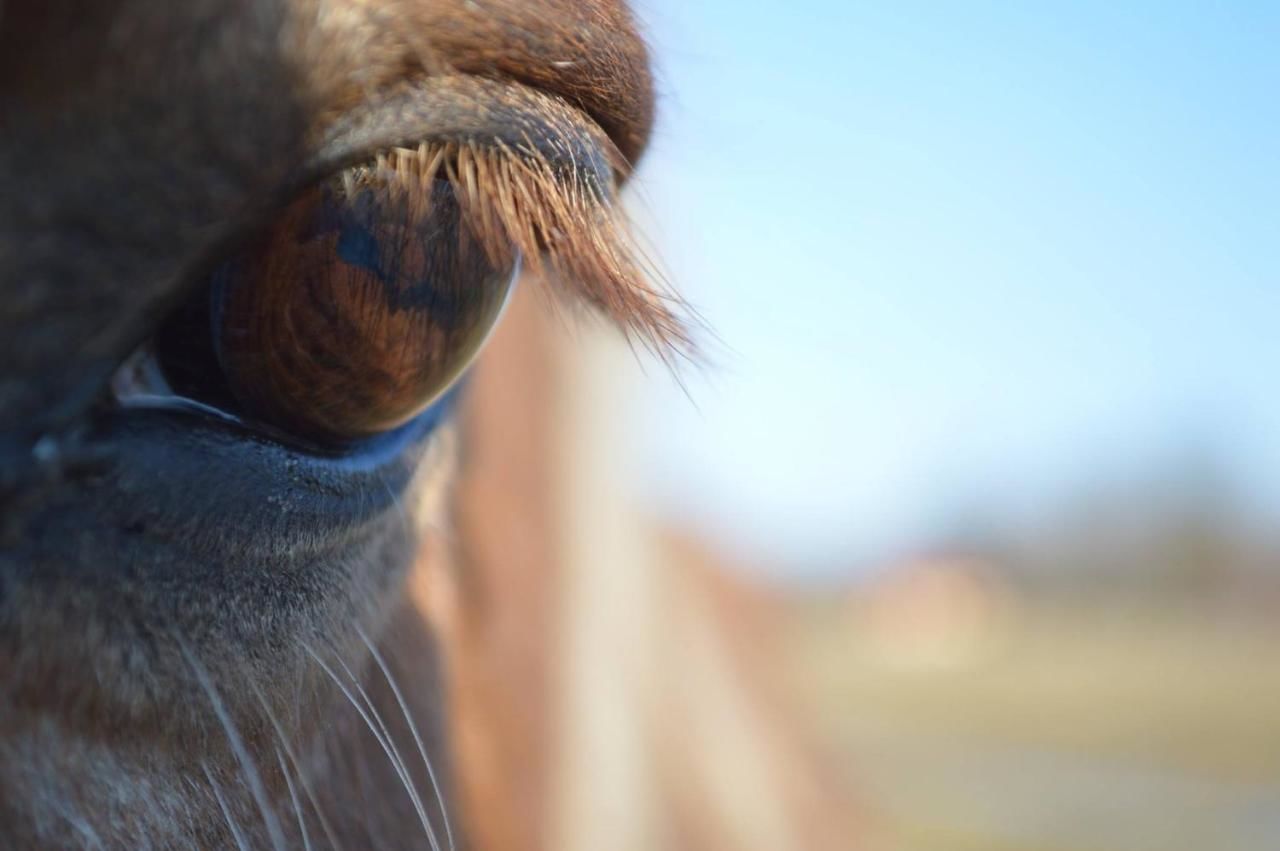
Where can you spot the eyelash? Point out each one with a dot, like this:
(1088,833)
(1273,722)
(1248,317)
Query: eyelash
(564,221)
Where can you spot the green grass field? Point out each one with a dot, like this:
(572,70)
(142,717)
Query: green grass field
(1061,730)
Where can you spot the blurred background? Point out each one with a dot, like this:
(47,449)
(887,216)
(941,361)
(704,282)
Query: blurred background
(984,465)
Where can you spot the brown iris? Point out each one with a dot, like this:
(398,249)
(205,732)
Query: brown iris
(354,312)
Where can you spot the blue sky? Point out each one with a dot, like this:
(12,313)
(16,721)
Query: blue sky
(959,255)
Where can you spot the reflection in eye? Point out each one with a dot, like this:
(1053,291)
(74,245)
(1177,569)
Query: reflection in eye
(354,312)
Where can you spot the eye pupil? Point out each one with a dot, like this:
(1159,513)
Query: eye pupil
(354,312)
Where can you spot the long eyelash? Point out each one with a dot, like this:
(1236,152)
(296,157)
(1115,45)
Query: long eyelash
(565,224)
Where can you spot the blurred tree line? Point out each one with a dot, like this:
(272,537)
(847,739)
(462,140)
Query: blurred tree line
(1183,531)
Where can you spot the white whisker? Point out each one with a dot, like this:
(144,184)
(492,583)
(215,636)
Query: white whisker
(399,764)
(411,525)
(413,728)
(328,830)
(409,528)
(293,797)
(387,747)
(247,766)
(236,833)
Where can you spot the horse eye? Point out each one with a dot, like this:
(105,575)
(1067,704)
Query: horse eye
(349,316)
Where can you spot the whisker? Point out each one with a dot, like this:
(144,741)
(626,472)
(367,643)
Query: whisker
(408,524)
(409,527)
(236,832)
(405,780)
(399,763)
(310,794)
(413,728)
(293,797)
(247,766)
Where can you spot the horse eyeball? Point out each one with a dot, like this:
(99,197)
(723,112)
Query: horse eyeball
(348,318)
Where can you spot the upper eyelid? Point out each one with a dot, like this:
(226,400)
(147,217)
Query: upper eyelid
(469,111)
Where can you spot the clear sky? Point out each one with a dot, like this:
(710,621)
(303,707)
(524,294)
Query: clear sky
(968,253)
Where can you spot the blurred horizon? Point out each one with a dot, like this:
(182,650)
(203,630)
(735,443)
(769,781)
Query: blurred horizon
(969,266)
